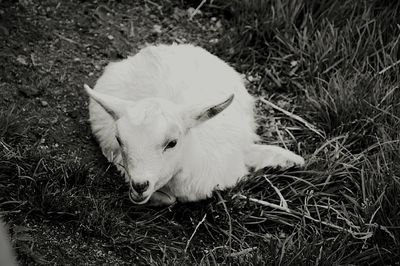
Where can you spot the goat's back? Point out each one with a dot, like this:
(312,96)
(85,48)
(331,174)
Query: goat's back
(179,73)
(183,74)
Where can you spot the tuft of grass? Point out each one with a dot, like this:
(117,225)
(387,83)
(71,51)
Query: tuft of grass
(11,129)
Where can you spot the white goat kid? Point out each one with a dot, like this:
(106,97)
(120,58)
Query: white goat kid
(178,123)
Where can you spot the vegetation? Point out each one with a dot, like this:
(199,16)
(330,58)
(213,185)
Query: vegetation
(332,63)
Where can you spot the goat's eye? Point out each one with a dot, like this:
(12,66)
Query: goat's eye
(170,144)
(119,141)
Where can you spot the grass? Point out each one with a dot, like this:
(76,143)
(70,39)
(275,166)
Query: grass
(342,68)
(333,63)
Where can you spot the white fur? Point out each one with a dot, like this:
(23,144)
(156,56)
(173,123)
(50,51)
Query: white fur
(157,94)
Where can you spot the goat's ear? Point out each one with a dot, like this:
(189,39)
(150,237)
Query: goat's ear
(111,104)
(195,116)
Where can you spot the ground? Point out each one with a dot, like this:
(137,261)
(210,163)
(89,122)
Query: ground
(334,66)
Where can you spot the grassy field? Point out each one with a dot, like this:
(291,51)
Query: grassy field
(326,75)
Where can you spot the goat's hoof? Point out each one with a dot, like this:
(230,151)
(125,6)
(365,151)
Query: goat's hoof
(293,160)
(161,198)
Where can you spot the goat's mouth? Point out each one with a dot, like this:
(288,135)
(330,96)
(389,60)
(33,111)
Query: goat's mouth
(138,199)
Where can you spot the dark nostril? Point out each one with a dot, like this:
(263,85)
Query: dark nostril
(140,187)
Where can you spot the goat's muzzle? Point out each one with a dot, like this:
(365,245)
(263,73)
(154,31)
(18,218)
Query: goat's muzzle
(140,188)
(137,192)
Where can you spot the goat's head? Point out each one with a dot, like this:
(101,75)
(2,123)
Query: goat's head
(151,137)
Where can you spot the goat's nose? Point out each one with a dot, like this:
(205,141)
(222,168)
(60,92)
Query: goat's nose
(140,187)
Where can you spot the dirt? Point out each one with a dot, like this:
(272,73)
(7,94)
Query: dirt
(48,51)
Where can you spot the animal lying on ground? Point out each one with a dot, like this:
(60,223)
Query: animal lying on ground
(178,122)
(7,257)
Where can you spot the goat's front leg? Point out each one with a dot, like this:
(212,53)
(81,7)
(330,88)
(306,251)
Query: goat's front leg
(162,197)
(260,156)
